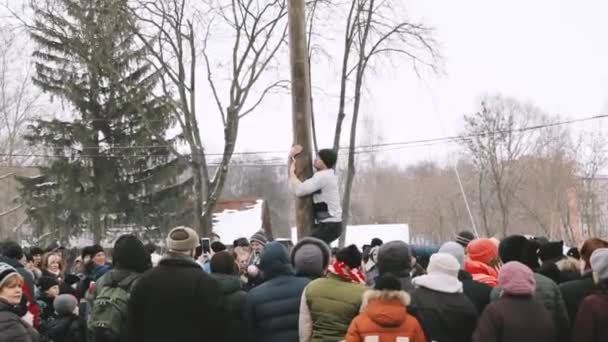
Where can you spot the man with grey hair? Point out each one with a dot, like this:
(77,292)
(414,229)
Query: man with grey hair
(176,301)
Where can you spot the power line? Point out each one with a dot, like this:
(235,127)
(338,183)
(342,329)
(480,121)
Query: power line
(452,138)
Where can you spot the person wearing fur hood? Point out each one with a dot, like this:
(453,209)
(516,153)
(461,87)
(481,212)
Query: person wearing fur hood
(384,315)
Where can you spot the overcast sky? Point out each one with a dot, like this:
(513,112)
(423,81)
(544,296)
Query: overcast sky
(548,52)
(551,53)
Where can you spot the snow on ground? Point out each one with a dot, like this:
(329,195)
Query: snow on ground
(233,224)
(363,235)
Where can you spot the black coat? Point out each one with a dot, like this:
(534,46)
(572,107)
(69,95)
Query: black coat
(12,328)
(574,292)
(233,307)
(515,319)
(477,292)
(273,308)
(444,317)
(67,328)
(176,301)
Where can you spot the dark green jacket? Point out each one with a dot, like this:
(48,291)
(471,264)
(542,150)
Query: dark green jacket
(328,307)
(233,307)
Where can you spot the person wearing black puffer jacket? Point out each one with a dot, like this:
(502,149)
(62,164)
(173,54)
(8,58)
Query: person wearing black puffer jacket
(273,308)
(225,271)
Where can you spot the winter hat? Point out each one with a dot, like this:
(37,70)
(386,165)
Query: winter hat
(517,279)
(519,248)
(260,237)
(217,246)
(182,239)
(376,242)
(599,263)
(464,237)
(96,249)
(310,257)
(551,251)
(329,157)
(65,304)
(394,257)
(442,263)
(454,249)
(351,256)
(45,283)
(387,282)
(87,252)
(131,254)
(482,250)
(36,251)
(223,263)
(6,271)
(274,261)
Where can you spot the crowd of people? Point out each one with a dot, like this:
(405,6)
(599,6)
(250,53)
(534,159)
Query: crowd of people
(470,289)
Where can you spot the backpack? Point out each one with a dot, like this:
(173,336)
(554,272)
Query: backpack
(108,315)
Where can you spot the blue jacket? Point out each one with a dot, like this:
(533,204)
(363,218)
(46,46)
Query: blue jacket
(272,309)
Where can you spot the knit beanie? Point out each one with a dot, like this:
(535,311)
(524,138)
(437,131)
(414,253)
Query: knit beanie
(329,158)
(65,304)
(517,279)
(96,249)
(387,282)
(260,237)
(223,263)
(45,283)
(445,264)
(351,256)
(454,249)
(464,237)
(182,239)
(394,257)
(599,263)
(130,254)
(310,257)
(482,250)
(6,271)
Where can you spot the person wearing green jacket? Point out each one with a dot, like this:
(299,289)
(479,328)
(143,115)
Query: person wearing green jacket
(330,304)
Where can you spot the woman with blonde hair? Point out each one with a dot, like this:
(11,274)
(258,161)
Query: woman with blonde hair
(52,266)
(12,326)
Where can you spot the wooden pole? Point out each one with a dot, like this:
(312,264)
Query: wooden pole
(301,108)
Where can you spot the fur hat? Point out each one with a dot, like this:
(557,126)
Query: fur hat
(329,157)
(482,250)
(45,283)
(65,304)
(182,239)
(551,251)
(310,257)
(217,246)
(454,249)
(519,248)
(464,237)
(351,256)
(6,271)
(599,263)
(260,237)
(394,257)
(517,279)
(387,282)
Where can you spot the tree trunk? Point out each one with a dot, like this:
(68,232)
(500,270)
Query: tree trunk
(199,196)
(301,111)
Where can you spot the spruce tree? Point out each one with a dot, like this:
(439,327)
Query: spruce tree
(106,166)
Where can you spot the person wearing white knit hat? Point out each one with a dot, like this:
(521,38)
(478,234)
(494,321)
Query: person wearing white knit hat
(445,313)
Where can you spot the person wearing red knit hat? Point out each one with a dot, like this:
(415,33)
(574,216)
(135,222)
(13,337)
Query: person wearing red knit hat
(482,261)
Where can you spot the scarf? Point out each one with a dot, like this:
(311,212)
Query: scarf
(482,273)
(340,270)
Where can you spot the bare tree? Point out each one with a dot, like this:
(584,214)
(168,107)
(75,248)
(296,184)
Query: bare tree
(495,144)
(176,36)
(373,30)
(19,99)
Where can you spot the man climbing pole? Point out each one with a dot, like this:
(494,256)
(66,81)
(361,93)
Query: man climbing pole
(324,188)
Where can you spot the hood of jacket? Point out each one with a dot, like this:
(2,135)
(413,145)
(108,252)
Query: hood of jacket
(275,261)
(229,284)
(12,262)
(5,306)
(386,308)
